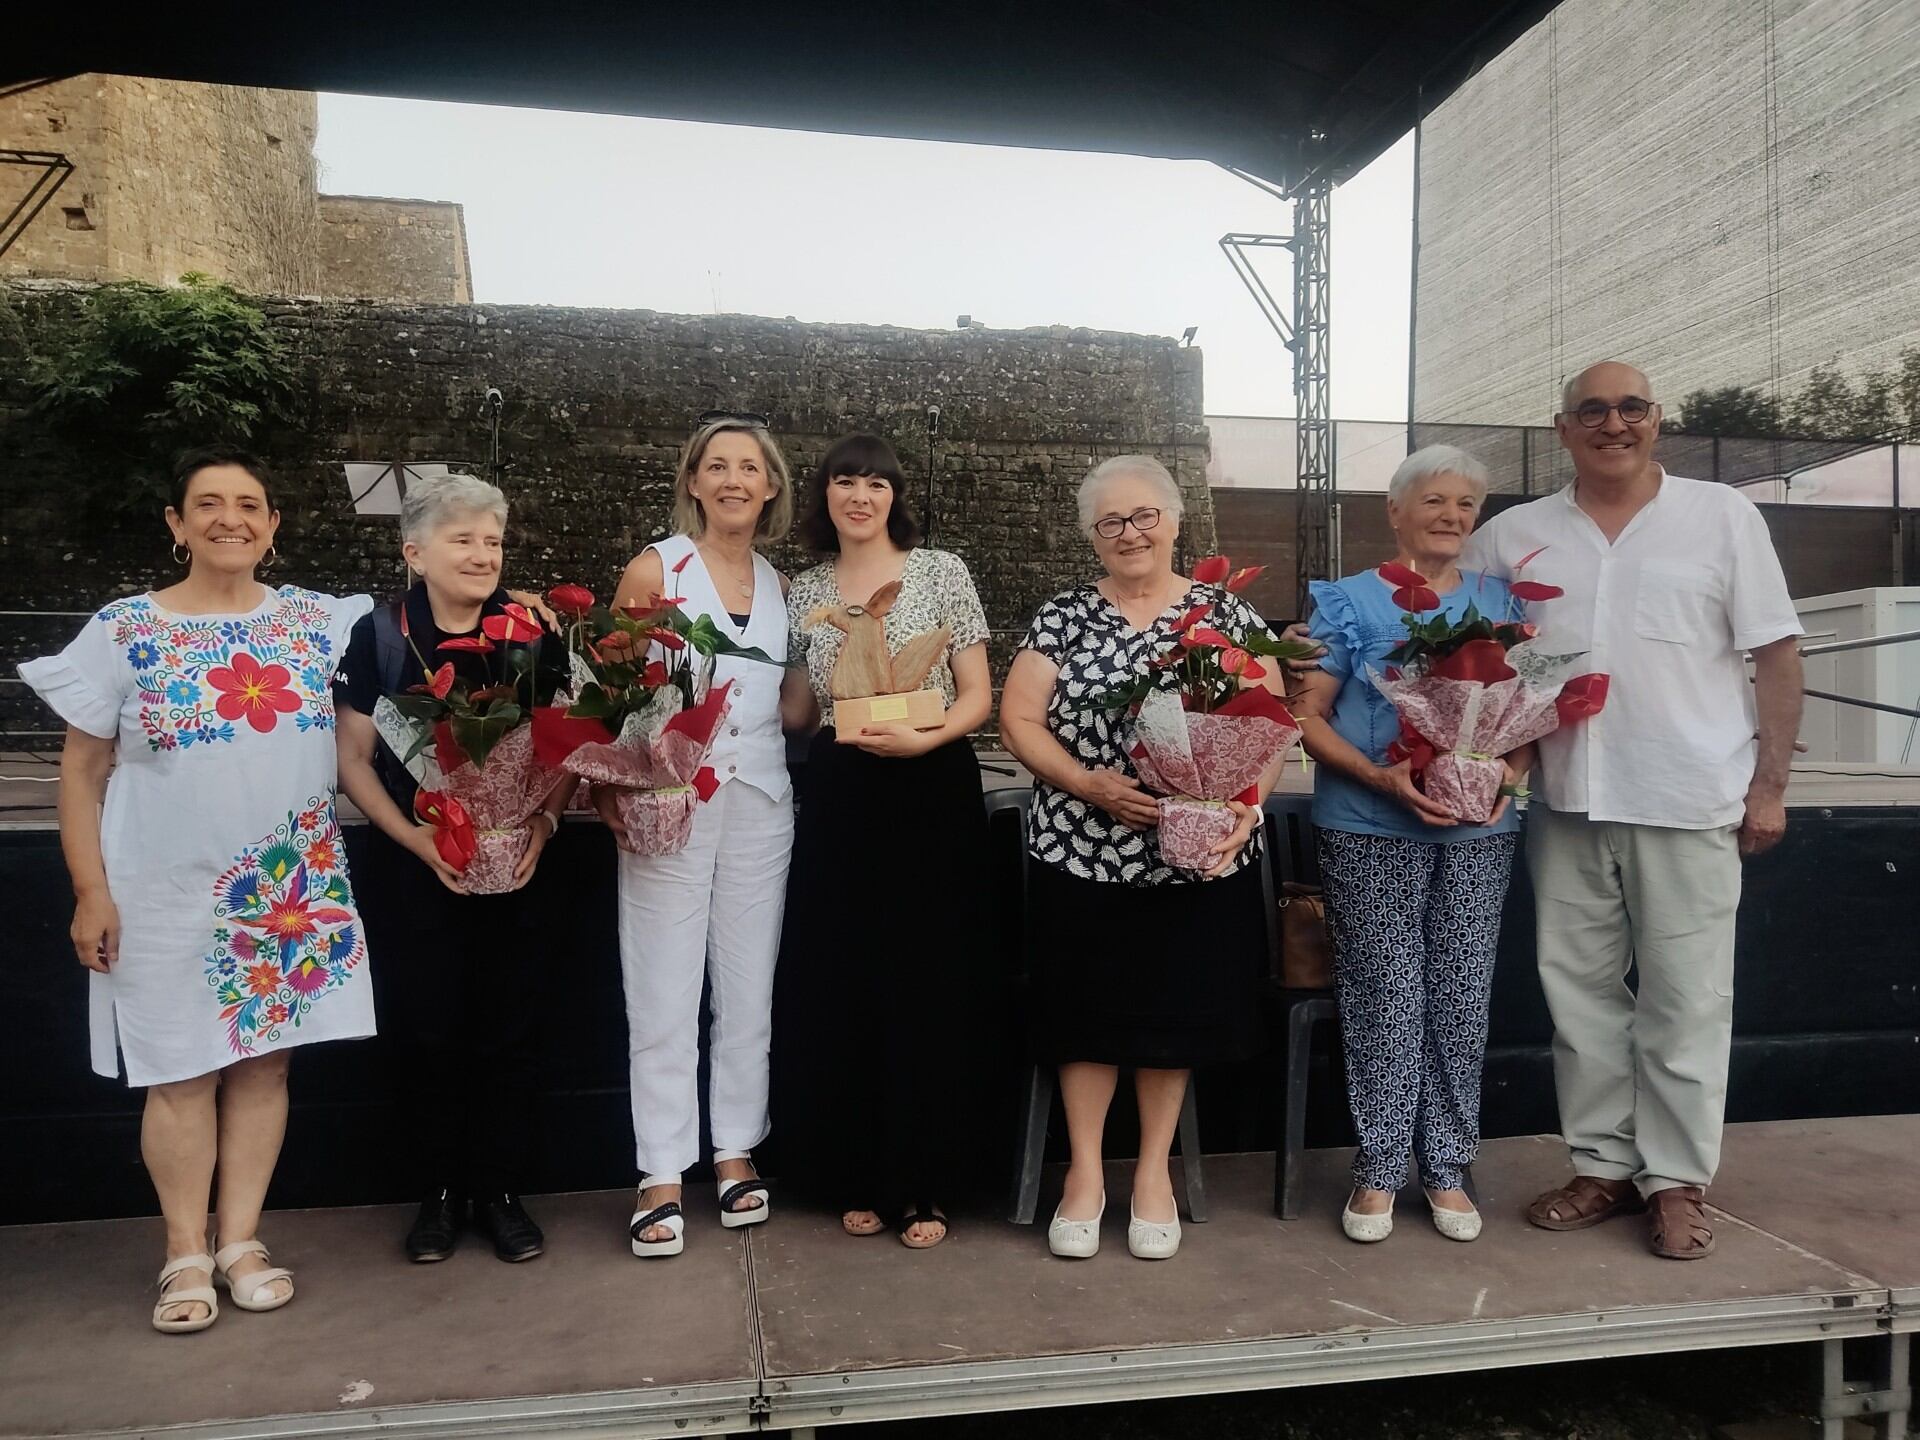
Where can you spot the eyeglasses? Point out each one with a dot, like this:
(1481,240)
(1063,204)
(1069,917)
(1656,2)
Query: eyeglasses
(1112,527)
(1593,413)
(743,417)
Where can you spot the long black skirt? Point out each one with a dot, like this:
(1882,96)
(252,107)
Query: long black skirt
(1151,976)
(880,1039)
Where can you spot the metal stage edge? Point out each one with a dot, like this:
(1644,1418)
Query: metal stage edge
(806,1402)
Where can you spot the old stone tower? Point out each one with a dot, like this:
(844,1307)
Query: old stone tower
(170,177)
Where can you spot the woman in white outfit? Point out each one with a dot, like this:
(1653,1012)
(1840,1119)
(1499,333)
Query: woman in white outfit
(712,912)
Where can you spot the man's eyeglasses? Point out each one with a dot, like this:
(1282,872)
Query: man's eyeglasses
(1112,527)
(741,417)
(1593,413)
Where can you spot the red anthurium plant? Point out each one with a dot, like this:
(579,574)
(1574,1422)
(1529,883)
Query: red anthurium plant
(1204,729)
(469,720)
(1473,689)
(644,710)
(1209,663)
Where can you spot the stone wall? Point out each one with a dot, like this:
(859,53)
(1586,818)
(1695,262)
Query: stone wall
(1722,192)
(169,178)
(379,249)
(597,403)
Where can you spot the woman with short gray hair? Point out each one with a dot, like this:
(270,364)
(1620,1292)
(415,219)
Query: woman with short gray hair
(1413,898)
(456,1006)
(1119,977)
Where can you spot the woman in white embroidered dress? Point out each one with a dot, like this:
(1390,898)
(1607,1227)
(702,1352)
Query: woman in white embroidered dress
(713,910)
(212,903)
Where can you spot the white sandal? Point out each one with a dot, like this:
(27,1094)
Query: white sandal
(185,1295)
(731,1192)
(668,1217)
(246,1289)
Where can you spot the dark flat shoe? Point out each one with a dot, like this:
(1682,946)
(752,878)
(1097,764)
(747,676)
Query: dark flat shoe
(435,1232)
(504,1220)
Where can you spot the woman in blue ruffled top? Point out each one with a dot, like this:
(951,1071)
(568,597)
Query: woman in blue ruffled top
(1413,897)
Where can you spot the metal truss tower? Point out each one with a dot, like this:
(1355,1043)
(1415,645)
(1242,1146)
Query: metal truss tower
(1314,539)
(1305,334)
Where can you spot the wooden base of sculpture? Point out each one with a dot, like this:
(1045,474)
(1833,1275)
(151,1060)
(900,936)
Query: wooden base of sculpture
(919,709)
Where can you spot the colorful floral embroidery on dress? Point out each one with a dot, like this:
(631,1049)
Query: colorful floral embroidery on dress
(198,681)
(285,933)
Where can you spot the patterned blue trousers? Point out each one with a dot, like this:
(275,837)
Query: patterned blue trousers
(1414,926)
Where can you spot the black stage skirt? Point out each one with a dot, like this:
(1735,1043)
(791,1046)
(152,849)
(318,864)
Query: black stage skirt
(881,1040)
(1156,976)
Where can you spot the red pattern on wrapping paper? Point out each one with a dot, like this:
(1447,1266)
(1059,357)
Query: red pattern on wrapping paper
(1434,707)
(1225,755)
(500,798)
(674,762)
(1189,829)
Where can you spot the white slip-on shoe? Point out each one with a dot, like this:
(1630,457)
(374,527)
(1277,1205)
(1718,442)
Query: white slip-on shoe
(1462,1225)
(1075,1239)
(1366,1229)
(1152,1239)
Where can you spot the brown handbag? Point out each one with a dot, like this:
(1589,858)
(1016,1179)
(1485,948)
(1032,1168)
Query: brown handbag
(1306,954)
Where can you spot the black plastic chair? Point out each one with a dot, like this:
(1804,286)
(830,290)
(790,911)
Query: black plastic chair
(1037,1093)
(1291,856)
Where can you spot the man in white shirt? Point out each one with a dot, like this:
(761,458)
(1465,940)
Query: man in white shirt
(1645,810)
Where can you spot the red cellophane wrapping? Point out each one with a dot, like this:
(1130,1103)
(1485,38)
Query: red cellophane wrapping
(1198,762)
(499,799)
(658,761)
(1477,705)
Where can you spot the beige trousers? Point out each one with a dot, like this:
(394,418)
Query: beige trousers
(1642,1081)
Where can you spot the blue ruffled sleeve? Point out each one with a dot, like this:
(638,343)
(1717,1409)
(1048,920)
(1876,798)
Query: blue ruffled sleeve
(1336,625)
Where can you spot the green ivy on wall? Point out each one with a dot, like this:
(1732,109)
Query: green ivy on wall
(147,371)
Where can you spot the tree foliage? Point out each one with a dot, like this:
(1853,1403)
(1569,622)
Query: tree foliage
(146,371)
(1880,404)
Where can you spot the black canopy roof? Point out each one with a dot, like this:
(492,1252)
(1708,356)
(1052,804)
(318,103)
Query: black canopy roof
(1284,90)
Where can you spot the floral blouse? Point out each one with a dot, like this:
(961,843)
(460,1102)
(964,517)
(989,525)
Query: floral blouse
(1082,633)
(935,590)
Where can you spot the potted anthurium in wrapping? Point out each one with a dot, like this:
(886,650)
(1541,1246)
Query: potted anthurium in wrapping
(1473,690)
(643,711)
(1205,730)
(470,747)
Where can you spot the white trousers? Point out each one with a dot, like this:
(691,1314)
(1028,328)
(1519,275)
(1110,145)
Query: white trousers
(711,912)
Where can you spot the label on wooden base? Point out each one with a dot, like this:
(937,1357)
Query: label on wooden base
(919,709)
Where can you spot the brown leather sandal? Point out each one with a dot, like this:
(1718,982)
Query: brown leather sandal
(1677,1226)
(1585,1200)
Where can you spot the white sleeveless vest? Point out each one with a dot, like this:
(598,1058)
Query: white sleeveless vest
(750,745)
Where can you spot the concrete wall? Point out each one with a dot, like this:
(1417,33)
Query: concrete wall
(1722,191)
(597,405)
(168,178)
(380,249)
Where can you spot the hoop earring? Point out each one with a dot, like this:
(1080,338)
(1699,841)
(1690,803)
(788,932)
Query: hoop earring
(178,557)
(270,559)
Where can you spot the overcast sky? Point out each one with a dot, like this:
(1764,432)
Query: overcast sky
(605,210)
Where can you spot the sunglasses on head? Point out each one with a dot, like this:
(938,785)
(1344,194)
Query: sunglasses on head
(742,417)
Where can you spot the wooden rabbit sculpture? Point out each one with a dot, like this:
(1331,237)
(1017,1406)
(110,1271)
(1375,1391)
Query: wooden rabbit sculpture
(865,666)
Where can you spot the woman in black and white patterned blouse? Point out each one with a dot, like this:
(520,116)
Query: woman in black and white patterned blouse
(1136,964)
(878,1000)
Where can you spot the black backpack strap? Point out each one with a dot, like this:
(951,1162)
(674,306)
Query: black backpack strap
(390,648)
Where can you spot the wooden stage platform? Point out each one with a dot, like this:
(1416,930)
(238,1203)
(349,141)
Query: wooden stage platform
(794,1325)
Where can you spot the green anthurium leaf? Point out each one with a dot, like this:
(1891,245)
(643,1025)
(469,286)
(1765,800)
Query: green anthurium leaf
(592,703)
(419,707)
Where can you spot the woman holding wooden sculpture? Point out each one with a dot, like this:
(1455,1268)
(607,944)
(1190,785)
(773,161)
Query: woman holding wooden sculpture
(711,911)
(885,934)
(212,904)
(1135,963)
